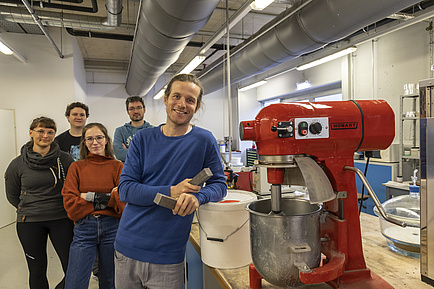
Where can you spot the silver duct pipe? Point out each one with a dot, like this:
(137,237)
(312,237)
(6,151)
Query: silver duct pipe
(114,13)
(39,23)
(164,27)
(313,26)
(113,20)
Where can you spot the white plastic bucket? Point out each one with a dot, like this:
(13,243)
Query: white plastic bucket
(225,231)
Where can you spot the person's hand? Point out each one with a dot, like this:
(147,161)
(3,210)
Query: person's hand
(114,190)
(124,146)
(182,188)
(83,195)
(186,204)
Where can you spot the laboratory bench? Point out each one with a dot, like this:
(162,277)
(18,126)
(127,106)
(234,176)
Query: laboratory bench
(395,189)
(398,270)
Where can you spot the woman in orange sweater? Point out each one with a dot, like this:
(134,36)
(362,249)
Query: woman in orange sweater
(92,202)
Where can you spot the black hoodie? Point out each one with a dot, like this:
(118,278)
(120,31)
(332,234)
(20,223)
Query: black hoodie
(34,183)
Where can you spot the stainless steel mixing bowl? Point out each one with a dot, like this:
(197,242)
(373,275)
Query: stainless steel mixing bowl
(284,245)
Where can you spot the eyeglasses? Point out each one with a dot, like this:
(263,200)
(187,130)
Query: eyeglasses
(98,139)
(135,108)
(41,132)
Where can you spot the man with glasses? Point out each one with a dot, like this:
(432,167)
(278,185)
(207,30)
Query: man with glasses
(69,141)
(123,134)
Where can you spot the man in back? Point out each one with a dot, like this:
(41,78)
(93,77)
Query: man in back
(123,134)
(69,141)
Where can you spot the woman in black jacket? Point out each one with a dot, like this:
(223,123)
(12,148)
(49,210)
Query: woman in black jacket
(34,182)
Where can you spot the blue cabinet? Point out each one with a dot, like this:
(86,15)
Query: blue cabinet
(377,174)
(193,268)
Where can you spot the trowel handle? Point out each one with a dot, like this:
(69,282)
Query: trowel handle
(201,177)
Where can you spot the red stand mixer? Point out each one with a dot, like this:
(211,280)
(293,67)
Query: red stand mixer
(316,142)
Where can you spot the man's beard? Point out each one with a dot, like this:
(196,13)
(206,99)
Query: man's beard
(137,118)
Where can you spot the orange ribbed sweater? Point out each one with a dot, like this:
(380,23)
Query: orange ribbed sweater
(99,174)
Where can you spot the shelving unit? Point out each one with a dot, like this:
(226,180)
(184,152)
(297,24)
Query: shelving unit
(412,160)
(251,156)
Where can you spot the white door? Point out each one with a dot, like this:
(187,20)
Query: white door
(7,154)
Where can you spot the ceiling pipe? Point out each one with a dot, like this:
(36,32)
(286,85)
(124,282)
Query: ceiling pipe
(41,4)
(92,34)
(72,1)
(164,28)
(55,19)
(44,30)
(237,16)
(126,37)
(312,27)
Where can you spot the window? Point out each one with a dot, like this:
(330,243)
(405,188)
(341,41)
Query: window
(331,97)
(268,102)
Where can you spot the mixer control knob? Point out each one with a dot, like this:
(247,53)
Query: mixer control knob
(303,128)
(315,128)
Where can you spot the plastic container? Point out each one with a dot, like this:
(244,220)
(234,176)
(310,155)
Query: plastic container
(225,231)
(404,240)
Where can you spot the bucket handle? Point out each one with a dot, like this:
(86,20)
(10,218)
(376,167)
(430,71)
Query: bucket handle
(218,239)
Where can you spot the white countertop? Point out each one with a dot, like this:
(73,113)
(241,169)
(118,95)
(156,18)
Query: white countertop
(396,185)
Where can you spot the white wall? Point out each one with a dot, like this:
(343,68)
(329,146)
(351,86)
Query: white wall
(47,83)
(214,114)
(377,70)
(79,72)
(247,111)
(107,105)
(42,86)
(7,148)
(401,57)
(287,82)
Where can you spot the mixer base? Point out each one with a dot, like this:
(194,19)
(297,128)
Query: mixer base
(375,282)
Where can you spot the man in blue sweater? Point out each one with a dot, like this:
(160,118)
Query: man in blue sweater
(151,240)
(123,134)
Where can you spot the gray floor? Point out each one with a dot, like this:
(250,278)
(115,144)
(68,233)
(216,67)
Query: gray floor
(13,267)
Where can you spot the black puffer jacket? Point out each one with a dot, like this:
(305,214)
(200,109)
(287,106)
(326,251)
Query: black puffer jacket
(34,183)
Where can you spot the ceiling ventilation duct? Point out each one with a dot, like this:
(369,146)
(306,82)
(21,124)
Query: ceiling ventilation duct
(313,26)
(55,19)
(164,27)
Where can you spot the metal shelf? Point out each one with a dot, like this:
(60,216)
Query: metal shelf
(410,157)
(412,98)
(410,95)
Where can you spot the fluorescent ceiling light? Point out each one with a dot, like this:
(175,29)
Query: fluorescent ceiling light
(193,64)
(160,93)
(8,50)
(327,58)
(260,4)
(4,48)
(256,84)
(186,70)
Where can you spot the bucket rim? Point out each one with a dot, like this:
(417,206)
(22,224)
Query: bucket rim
(219,206)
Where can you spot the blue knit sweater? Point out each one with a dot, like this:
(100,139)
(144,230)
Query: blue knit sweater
(155,162)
